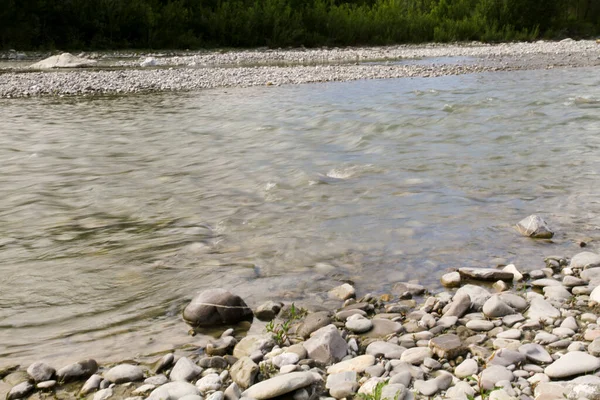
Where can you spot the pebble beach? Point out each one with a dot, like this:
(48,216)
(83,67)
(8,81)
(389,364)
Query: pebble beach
(493,333)
(121,73)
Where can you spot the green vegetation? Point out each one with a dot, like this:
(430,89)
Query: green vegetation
(280,330)
(113,24)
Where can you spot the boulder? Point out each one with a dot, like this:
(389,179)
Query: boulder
(216,307)
(534,227)
(64,60)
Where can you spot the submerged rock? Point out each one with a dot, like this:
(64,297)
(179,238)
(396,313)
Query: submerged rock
(216,307)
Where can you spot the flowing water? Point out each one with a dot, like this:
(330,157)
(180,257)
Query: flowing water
(115,211)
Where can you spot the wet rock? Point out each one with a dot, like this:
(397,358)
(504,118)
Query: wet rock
(451,279)
(485,274)
(40,372)
(342,292)
(535,227)
(124,373)
(280,385)
(20,391)
(76,371)
(173,390)
(164,363)
(357,364)
(268,310)
(243,372)
(185,370)
(573,363)
(91,385)
(216,307)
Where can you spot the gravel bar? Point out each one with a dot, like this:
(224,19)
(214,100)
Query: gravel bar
(203,70)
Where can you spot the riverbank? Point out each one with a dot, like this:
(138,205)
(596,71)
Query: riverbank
(121,73)
(530,335)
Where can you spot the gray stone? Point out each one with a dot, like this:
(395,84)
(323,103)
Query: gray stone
(157,380)
(76,371)
(280,385)
(20,391)
(393,391)
(339,377)
(124,373)
(557,292)
(357,364)
(448,346)
(451,279)
(285,359)
(209,383)
(541,310)
(480,325)
(91,385)
(534,227)
(359,324)
(40,371)
(233,392)
(459,306)
(477,294)
(173,391)
(185,370)
(385,349)
(213,362)
(343,390)
(572,281)
(216,396)
(243,372)
(493,374)
(585,260)
(103,394)
(536,353)
(506,357)
(342,292)
(403,378)
(594,347)
(268,310)
(376,370)
(382,328)
(326,345)
(510,334)
(251,344)
(144,389)
(573,363)
(544,282)
(313,322)
(466,368)
(485,274)
(416,355)
(164,363)
(494,308)
(216,307)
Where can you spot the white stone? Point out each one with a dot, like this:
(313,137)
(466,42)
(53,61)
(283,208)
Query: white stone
(185,370)
(280,385)
(64,60)
(466,368)
(416,355)
(357,364)
(573,363)
(124,373)
(342,292)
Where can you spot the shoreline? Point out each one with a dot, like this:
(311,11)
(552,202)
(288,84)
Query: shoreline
(531,335)
(121,73)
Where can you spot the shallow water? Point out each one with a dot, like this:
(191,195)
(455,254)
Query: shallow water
(115,211)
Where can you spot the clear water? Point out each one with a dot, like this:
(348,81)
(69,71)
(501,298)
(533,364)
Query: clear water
(115,211)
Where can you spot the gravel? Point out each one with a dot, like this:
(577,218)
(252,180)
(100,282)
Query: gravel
(120,73)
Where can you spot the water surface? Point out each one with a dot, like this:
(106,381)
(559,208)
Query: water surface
(116,210)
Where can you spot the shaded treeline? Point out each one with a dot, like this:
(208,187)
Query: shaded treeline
(104,24)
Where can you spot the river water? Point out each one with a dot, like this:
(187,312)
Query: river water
(116,210)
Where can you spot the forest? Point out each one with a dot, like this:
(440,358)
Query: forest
(194,24)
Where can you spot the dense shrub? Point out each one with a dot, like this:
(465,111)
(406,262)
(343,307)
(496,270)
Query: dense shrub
(104,24)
